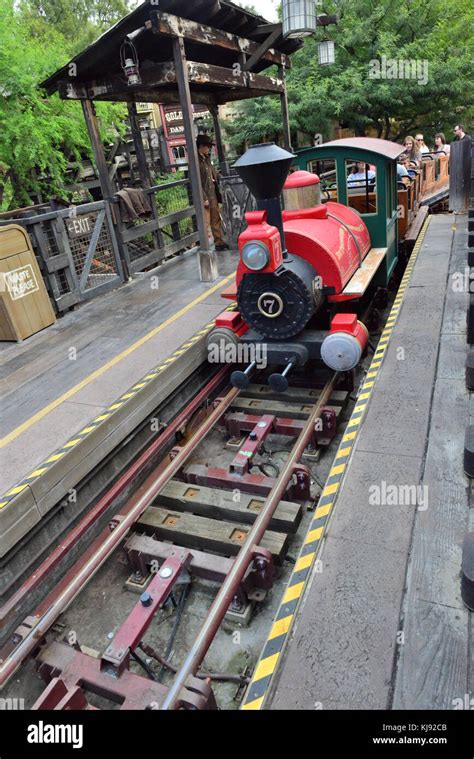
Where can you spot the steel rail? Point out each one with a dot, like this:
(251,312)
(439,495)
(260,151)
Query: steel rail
(145,496)
(224,597)
(40,574)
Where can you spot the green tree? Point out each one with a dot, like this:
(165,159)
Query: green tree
(80,22)
(437,36)
(38,134)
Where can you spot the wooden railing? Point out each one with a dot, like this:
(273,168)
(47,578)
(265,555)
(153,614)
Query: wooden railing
(77,251)
(88,249)
(171,229)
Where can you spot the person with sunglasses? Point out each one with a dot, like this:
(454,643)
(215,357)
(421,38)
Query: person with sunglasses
(422,146)
(460,133)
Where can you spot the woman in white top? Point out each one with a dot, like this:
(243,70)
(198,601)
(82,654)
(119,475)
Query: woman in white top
(440,144)
(421,145)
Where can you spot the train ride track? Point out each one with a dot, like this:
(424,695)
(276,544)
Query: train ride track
(205,516)
(233,524)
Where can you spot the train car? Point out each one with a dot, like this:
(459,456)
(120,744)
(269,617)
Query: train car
(334,161)
(307,272)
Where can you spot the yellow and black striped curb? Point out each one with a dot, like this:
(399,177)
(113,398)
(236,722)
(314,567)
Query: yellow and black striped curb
(91,426)
(279,632)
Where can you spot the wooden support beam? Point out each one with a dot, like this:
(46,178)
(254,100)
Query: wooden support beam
(172,26)
(285,111)
(267,28)
(203,533)
(143,169)
(97,149)
(103,172)
(219,504)
(158,82)
(193,158)
(214,9)
(139,148)
(257,56)
(229,96)
(224,14)
(218,135)
(324,20)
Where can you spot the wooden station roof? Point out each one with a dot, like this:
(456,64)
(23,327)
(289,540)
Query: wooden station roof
(216,33)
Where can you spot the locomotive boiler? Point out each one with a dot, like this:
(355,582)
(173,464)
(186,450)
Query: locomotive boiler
(299,269)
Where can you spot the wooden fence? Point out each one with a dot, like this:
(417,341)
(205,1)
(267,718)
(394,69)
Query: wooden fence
(171,229)
(77,251)
(86,250)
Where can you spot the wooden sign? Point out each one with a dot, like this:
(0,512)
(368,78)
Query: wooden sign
(79,226)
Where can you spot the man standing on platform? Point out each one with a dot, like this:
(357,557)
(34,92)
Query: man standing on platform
(460,133)
(210,191)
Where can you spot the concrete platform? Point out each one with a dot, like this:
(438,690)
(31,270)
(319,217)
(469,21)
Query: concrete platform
(380,623)
(62,382)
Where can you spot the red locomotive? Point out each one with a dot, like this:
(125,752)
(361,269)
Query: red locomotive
(298,270)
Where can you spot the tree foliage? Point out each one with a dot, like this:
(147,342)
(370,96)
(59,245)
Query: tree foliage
(39,134)
(432,36)
(79,21)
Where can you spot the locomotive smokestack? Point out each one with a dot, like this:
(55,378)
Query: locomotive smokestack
(264,169)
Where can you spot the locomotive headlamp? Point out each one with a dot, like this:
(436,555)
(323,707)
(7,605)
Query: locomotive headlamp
(255,255)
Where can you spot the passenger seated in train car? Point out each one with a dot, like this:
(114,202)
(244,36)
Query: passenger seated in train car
(402,171)
(410,166)
(412,151)
(421,145)
(441,146)
(360,175)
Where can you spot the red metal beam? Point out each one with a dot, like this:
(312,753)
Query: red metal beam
(242,460)
(131,632)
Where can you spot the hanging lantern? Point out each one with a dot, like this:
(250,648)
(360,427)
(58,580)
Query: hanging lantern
(299,18)
(130,63)
(326,52)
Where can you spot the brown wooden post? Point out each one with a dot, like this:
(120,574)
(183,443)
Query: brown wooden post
(207,257)
(138,142)
(219,140)
(103,172)
(284,111)
(97,148)
(143,169)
